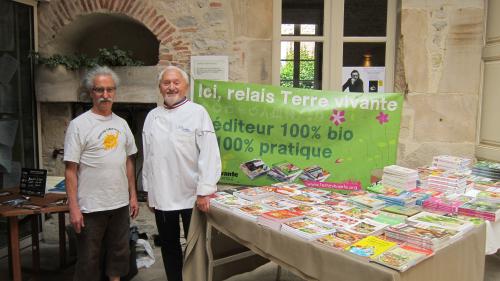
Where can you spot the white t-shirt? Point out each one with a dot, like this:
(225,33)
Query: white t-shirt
(100,145)
(181,156)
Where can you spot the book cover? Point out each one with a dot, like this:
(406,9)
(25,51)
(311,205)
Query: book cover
(402,257)
(370,246)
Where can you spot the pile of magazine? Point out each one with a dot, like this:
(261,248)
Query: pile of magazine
(487,169)
(422,235)
(274,219)
(314,173)
(284,172)
(454,163)
(254,168)
(481,209)
(306,229)
(400,177)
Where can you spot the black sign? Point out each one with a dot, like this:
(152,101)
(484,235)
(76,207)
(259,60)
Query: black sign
(33,182)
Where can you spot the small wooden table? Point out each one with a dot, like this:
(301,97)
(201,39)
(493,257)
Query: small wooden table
(13,213)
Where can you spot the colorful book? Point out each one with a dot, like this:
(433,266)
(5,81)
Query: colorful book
(367,227)
(371,246)
(402,210)
(441,221)
(402,257)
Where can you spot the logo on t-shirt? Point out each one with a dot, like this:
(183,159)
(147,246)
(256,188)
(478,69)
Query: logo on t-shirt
(110,139)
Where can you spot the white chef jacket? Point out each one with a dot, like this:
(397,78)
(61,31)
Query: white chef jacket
(181,156)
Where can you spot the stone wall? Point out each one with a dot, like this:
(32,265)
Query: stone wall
(438,59)
(439,67)
(240,29)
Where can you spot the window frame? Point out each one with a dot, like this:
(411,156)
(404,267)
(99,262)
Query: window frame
(333,41)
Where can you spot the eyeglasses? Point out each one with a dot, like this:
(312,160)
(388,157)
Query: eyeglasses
(101,90)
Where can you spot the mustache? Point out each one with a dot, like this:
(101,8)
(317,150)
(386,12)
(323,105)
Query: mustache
(104,100)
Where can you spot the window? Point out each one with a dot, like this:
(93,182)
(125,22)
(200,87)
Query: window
(488,140)
(322,43)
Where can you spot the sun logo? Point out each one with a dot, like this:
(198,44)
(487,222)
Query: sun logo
(110,141)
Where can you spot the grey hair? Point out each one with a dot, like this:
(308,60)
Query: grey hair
(173,67)
(88,80)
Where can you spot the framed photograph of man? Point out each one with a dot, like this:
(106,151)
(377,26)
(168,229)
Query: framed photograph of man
(363,79)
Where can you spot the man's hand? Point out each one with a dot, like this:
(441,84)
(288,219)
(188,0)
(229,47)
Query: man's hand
(76,218)
(203,203)
(134,207)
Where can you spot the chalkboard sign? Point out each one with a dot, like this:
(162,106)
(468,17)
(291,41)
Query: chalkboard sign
(33,182)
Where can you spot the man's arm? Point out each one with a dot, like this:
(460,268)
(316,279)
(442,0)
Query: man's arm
(134,206)
(75,214)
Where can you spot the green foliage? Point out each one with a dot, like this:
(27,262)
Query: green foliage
(108,57)
(306,69)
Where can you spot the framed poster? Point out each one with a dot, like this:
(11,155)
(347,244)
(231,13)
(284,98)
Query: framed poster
(363,79)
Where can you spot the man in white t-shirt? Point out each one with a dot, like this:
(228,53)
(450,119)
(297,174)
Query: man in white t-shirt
(100,181)
(182,164)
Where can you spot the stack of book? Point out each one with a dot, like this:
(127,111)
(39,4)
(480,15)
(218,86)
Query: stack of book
(338,240)
(371,247)
(406,198)
(227,201)
(402,257)
(254,168)
(442,204)
(274,219)
(432,219)
(379,188)
(251,211)
(367,227)
(481,209)
(422,236)
(429,192)
(314,173)
(315,192)
(278,203)
(305,198)
(367,201)
(255,193)
(284,172)
(402,210)
(400,177)
(425,172)
(386,217)
(306,229)
(447,183)
(454,163)
(487,169)
(491,194)
(336,220)
(286,190)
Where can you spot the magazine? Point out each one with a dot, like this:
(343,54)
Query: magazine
(254,168)
(402,257)
(371,246)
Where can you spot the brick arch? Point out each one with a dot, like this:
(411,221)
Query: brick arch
(57,14)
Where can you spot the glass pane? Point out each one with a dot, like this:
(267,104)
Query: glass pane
(306,70)
(307,50)
(287,29)
(287,65)
(304,13)
(365,17)
(308,29)
(364,54)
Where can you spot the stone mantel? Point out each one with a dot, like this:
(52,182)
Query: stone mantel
(139,84)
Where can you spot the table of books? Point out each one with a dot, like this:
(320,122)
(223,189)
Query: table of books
(462,260)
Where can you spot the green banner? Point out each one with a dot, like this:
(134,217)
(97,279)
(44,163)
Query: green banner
(269,134)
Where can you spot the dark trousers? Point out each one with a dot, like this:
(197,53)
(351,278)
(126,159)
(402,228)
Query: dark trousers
(167,223)
(104,232)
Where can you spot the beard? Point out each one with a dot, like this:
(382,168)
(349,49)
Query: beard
(172,99)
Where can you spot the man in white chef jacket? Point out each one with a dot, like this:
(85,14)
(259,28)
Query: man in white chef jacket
(181,164)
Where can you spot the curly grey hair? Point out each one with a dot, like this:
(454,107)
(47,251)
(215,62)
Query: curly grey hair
(88,80)
(172,67)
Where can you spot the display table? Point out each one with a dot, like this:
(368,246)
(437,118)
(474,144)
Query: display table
(13,214)
(460,261)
